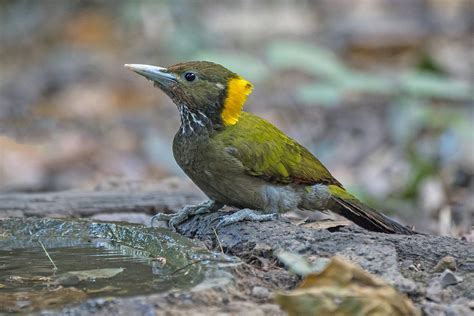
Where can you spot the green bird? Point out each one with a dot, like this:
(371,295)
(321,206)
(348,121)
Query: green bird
(241,160)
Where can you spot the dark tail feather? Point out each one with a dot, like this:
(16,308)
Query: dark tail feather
(368,218)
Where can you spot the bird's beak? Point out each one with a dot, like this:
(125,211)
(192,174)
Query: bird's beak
(154,73)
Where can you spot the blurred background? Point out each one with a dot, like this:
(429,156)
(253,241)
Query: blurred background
(380,90)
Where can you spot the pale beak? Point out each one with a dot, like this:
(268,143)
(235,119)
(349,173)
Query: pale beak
(153,73)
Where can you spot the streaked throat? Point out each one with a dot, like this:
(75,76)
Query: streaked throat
(193,121)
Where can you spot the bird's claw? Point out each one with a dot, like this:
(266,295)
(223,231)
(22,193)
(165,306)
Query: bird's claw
(172,219)
(160,217)
(246,215)
(183,214)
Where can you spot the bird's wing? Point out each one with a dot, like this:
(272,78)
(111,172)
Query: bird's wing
(266,152)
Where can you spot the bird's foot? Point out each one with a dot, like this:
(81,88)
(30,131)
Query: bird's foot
(246,215)
(186,212)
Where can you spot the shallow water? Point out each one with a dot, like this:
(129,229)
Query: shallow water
(92,260)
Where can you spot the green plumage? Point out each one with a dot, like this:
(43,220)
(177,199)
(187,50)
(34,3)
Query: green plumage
(267,153)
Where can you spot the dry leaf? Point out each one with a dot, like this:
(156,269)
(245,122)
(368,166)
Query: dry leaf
(94,274)
(343,288)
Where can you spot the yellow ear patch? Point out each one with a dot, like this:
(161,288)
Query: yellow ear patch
(237,91)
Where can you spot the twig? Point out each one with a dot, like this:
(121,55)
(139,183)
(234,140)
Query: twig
(218,241)
(47,255)
(187,265)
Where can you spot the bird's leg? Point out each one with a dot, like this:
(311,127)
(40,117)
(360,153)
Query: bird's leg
(246,215)
(183,214)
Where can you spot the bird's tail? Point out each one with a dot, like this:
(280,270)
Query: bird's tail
(351,208)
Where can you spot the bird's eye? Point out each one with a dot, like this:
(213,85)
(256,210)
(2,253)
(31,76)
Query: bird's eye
(190,76)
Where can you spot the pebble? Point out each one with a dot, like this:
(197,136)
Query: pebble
(260,292)
(432,308)
(449,278)
(434,292)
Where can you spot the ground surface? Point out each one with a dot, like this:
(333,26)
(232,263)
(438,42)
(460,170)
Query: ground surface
(407,262)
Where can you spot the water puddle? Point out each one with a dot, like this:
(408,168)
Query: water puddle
(48,263)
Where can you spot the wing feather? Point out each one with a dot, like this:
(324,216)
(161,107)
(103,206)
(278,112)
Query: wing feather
(266,152)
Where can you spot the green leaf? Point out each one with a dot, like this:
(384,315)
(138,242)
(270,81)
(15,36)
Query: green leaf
(428,64)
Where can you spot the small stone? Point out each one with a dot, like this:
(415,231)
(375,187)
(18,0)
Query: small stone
(449,278)
(263,247)
(434,291)
(407,286)
(260,292)
(432,308)
(447,262)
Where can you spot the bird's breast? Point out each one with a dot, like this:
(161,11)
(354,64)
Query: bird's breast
(214,171)
(223,178)
(190,151)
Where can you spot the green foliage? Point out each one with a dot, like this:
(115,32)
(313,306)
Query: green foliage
(366,83)
(428,64)
(334,81)
(320,93)
(430,85)
(305,57)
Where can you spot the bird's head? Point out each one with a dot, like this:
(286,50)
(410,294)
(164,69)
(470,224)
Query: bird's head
(202,90)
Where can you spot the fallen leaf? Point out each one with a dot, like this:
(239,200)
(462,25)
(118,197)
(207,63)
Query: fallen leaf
(85,275)
(299,265)
(343,288)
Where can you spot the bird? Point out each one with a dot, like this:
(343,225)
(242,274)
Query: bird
(241,160)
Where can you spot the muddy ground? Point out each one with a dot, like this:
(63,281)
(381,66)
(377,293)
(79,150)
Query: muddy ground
(410,263)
